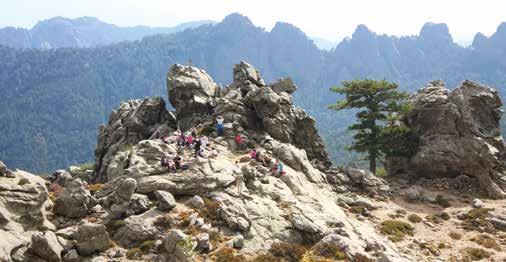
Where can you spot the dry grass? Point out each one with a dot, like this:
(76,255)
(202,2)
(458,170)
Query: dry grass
(287,251)
(455,235)
(475,254)
(227,254)
(94,188)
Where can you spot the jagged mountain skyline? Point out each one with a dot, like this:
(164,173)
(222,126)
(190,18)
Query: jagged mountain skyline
(55,99)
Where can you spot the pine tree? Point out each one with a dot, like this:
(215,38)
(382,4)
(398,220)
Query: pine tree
(377,101)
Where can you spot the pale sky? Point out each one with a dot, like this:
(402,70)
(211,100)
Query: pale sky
(332,20)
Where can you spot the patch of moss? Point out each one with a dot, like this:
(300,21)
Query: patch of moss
(114,225)
(434,219)
(288,251)
(396,230)
(23,181)
(486,241)
(455,235)
(147,245)
(358,209)
(414,218)
(134,253)
(475,254)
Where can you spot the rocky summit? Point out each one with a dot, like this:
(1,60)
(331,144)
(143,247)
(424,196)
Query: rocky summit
(257,183)
(460,131)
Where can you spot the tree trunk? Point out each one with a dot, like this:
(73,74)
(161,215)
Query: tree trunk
(372,163)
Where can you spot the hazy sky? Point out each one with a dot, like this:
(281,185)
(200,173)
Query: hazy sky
(323,18)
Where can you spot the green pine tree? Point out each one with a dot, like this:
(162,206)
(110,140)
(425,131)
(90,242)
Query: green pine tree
(377,102)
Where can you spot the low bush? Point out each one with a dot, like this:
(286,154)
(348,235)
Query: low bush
(414,218)
(486,241)
(455,235)
(442,201)
(87,166)
(210,212)
(23,181)
(396,230)
(475,254)
(288,251)
(134,253)
(265,257)
(329,250)
(164,221)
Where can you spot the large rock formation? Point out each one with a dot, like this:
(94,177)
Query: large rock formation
(24,203)
(135,120)
(249,103)
(459,134)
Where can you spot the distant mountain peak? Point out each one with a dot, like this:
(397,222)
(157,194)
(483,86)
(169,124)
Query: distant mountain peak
(237,19)
(362,32)
(282,27)
(436,32)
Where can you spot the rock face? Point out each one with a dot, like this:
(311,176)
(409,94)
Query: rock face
(458,134)
(75,201)
(91,238)
(190,90)
(24,203)
(135,120)
(250,103)
(117,196)
(46,246)
(4,171)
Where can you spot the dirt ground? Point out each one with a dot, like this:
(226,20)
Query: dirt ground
(437,235)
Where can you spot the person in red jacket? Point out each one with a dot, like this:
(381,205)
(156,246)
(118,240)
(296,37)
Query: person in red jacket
(239,142)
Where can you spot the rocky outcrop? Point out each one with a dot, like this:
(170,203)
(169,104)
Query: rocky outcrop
(46,246)
(24,205)
(135,120)
(91,238)
(177,250)
(459,134)
(117,196)
(191,91)
(75,201)
(4,171)
(248,102)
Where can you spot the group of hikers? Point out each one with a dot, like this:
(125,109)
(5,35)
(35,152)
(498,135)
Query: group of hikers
(202,148)
(192,142)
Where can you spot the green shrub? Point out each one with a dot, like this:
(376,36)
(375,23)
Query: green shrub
(396,230)
(381,172)
(87,166)
(442,201)
(134,253)
(23,181)
(414,218)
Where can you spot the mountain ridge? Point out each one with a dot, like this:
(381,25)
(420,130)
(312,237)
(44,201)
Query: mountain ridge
(54,99)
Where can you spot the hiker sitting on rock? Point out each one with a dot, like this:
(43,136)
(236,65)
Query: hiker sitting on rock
(253,154)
